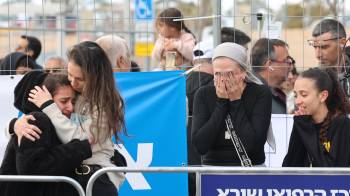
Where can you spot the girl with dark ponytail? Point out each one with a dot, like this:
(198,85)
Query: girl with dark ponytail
(321,129)
(173,37)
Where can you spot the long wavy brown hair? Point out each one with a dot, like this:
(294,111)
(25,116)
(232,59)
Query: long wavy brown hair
(100,90)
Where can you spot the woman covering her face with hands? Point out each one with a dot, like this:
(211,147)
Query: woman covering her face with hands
(321,127)
(236,93)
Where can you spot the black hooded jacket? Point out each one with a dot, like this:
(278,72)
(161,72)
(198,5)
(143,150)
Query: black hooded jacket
(305,148)
(11,62)
(44,156)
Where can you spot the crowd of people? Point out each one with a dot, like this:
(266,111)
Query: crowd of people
(70,116)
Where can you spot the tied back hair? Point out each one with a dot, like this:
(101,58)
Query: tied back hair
(105,104)
(326,79)
(167,17)
(336,102)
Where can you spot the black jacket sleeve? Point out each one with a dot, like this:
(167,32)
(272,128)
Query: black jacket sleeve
(252,130)
(296,155)
(8,165)
(205,125)
(47,156)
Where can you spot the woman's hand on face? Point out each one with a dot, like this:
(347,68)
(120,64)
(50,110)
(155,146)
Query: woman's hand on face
(220,86)
(23,128)
(235,85)
(39,96)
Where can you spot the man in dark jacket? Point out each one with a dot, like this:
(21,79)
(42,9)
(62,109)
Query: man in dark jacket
(329,41)
(44,156)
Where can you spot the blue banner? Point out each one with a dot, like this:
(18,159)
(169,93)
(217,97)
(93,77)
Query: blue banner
(156,123)
(271,185)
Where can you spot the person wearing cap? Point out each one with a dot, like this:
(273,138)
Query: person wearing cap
(200,75)
(237,94)
(202,72)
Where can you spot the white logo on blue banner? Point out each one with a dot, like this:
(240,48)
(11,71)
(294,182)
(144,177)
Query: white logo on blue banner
(156,122)
(144,9)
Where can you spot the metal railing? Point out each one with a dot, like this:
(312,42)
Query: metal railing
(18,178)
(230,170)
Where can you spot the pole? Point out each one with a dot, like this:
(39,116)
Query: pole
(217,22)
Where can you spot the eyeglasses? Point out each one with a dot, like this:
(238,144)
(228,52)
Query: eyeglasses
(287,61)
(53,70)
(314,42)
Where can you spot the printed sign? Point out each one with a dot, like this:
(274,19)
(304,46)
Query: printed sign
(273,185)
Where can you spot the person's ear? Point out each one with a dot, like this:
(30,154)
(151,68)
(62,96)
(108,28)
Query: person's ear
(30,53)
(342,42)
(268,66)
(243,75)
(324,95)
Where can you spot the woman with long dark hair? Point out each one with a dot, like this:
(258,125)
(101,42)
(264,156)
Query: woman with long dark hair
(99,112)
(320,135)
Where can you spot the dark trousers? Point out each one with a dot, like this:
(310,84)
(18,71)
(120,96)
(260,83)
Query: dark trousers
(193,159)
(102,186)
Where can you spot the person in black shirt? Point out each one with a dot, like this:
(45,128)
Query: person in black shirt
(46,155)
(238,93)
(320,135)
(201,75)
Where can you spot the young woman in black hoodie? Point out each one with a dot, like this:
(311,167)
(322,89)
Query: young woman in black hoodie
(46,155)
(321,129)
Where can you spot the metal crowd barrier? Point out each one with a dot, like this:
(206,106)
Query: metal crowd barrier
(19,178)
(231,170)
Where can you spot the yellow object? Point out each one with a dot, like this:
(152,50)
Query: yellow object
(143,49)
(327,145)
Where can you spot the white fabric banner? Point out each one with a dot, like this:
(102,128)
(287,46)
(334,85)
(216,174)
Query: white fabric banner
(8,111)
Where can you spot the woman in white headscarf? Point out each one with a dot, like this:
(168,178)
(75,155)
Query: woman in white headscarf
(239,99)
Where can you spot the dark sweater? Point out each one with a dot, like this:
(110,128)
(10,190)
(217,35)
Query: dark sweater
(304,144)
(45,156)
(250,116)
(194,81)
